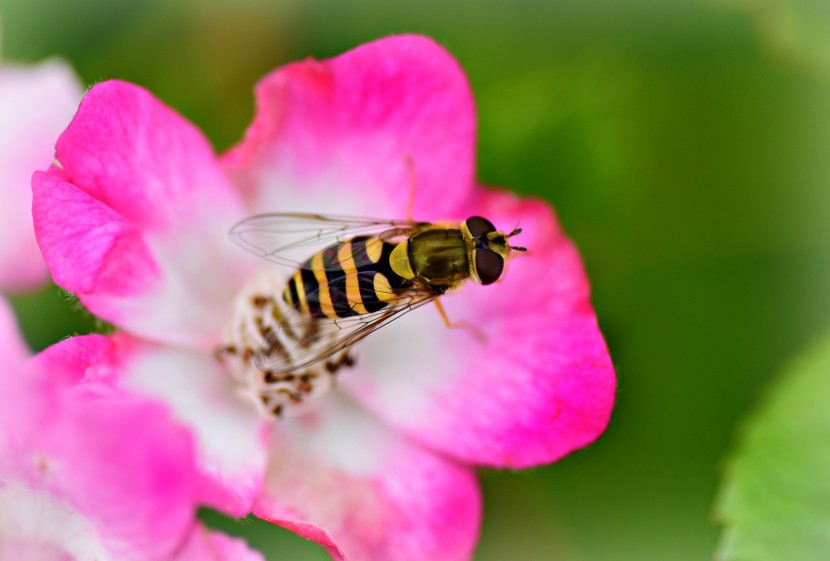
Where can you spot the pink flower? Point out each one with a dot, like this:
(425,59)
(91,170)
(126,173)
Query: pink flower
(134,221)
(88,472)
(36,104)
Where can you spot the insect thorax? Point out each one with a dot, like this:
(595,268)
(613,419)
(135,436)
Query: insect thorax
(440,257)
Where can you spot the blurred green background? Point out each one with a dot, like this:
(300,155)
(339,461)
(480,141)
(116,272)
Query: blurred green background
(685,147)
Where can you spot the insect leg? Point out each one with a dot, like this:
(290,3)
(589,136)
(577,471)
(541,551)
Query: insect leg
(475,331)
(413,184)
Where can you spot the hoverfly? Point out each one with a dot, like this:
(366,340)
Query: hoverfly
(354,275)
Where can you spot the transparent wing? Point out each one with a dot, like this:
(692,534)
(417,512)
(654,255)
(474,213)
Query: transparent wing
(291,238)
(317,339)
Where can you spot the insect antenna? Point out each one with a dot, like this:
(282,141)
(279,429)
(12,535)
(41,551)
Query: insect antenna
(516,231)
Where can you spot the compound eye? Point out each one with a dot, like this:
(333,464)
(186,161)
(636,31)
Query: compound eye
(479,226)
(489,265)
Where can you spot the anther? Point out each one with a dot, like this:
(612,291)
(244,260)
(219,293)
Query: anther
(261,334)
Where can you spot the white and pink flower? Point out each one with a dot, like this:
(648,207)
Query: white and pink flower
(133,219)
(88,471)
(36,104)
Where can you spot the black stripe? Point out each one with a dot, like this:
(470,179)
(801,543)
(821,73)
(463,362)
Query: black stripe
(371,302)
(295,298)
(340,298)
(330,260)
(331,264)
(361,259)
(336,278)
(395,281)
(312,293)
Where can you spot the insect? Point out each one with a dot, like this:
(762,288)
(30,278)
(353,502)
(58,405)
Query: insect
(354,275)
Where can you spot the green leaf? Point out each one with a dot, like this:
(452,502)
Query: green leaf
(775,501)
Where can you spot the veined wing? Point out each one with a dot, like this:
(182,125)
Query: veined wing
(317,339)
(290,238)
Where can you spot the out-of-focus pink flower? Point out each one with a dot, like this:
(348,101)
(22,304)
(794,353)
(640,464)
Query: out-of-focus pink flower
(88,472)
(383,467)
(36,104)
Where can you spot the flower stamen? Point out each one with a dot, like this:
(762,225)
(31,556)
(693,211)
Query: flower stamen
(258,334)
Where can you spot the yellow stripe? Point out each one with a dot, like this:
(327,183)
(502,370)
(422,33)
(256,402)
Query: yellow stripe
(346,259)
(374,249)
(399,261)
(319,271)
(382,288)
(297,279)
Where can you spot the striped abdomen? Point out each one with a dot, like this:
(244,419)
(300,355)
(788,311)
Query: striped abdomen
(345,279)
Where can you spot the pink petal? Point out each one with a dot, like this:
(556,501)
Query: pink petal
(98,254)
(12,347)
(40,525)
(542,386)
(363,492)
(18,408)
(36,103)
(334,135)
(127,466)
(147,163)
(231,443)
(147,246)
(100,473)
(215,546)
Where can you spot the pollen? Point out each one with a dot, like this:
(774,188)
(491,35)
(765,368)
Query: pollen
(261,333)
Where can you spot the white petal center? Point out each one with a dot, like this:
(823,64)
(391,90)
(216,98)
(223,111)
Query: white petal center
(35,524)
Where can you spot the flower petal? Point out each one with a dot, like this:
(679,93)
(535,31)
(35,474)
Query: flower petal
(12,347)
(144,160)
(18,408)
(543,384)
(98,254)
(334,136)
(37,524)
(36,103)
(147,248)
(363,492)
(99,473)
(216,546)
(127,485)
(231,438)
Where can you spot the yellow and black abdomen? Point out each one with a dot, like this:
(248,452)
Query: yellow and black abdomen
(346,279)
